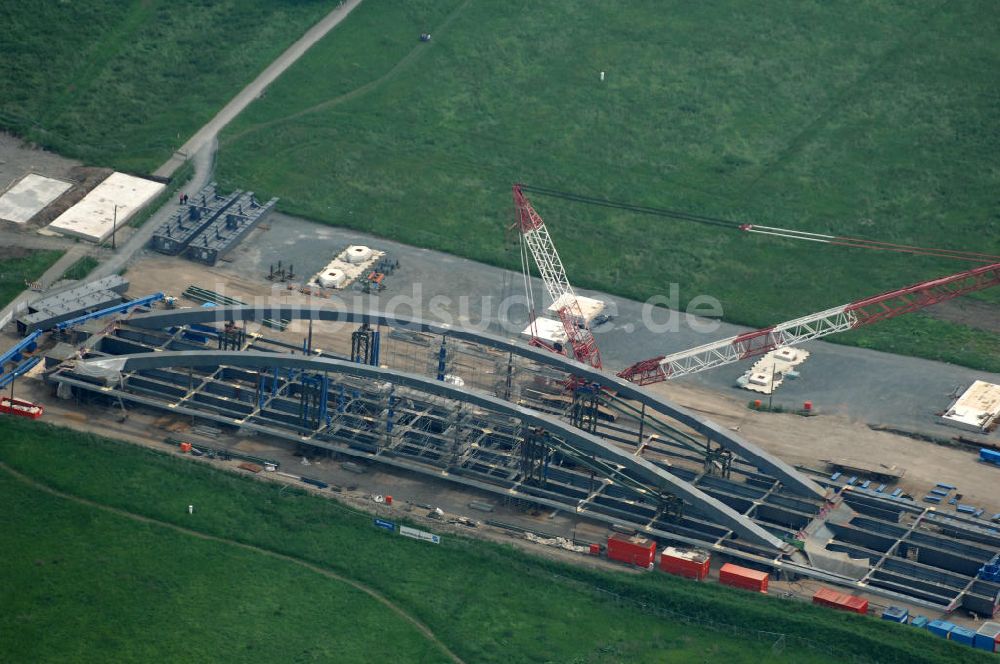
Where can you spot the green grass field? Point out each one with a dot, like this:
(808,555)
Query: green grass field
(124,84)
(23,266)
(877,122)
(80,269)
(99,586)
(81,585)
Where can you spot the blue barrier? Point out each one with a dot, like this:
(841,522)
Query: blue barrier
(141,302)
(14,353)
(19,370)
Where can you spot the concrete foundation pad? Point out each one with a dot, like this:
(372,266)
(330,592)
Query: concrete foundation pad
(29,196)
(111,203)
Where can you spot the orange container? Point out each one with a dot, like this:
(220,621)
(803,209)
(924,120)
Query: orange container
(690,564)
(841,601)
(634,550)
(185,447)
(743,577)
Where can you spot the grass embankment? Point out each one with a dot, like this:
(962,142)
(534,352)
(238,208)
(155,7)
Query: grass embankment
(27,266)
(124,84)
(877,122)
(83,585)
(80,269)
(486,602)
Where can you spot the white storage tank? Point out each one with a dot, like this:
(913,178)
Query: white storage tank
(332,278)
(357,253)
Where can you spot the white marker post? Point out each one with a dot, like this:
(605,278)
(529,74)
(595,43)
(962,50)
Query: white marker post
(602,75)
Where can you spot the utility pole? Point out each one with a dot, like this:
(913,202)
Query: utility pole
(114,227)
(770,392)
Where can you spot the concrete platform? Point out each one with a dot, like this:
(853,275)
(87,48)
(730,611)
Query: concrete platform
(94,217)
(589,306)
(29,196)
(978,409)
(546,329)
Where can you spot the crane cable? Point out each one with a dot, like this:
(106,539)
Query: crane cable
(787,233)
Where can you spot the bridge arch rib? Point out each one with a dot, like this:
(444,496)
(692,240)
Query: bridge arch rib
(651,475)
(766,462)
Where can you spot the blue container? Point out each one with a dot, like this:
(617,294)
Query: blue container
(854,478)
(940,492)
(986,637)
(866,484)
(966,509)
(896,614)
(940,628)
(946,486)
(962,635)
(896,493)
(880,489)
(932,499)
(919,621)
(989,456)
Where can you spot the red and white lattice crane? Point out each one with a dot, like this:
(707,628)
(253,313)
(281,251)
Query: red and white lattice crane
(814,326)
(535,239)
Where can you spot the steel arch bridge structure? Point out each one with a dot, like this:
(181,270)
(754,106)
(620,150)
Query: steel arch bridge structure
(619,456)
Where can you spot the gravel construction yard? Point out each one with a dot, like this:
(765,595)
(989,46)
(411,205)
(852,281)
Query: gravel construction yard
(859,385)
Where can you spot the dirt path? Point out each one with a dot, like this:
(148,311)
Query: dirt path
(374,594)
(202,146)
(416,52)
(210,131)
(966,311)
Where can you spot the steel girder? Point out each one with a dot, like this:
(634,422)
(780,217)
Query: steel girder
(789,477)
(655,478)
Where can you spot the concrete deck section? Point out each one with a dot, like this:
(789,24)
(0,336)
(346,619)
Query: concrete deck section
(977,409)
(30,196)
(94,217)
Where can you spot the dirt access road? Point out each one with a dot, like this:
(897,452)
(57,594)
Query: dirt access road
(201,147)
(210,131)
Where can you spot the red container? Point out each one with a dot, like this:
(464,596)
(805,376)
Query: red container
(595,549)
(185,447)
(807,406)
(388,500)
(691,564)
(743,577)
(633,550)
(840,601)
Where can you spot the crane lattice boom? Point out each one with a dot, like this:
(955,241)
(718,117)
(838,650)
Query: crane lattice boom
(793,332)
(536,236)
